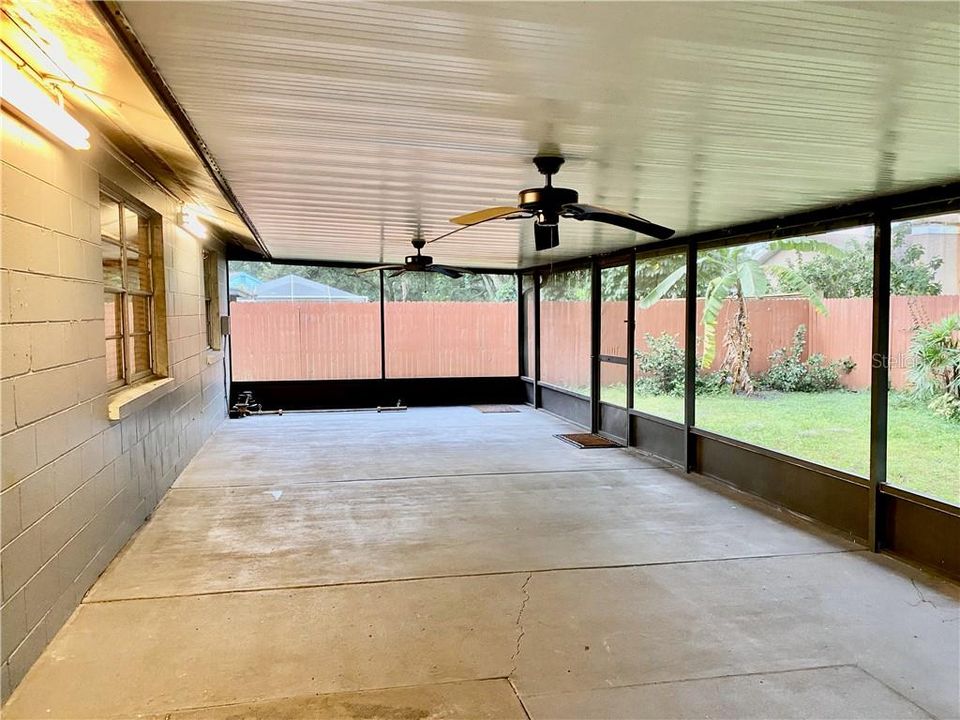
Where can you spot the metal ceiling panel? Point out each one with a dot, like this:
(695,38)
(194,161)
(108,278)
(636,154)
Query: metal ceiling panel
(342,126)
(64,43)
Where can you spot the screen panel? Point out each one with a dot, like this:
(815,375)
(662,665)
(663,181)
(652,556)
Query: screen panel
(299,322)
(923,408)
(565,330)
(437,326)
(659,339)
(784,345)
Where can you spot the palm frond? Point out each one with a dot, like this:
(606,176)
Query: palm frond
(717,291)
(663,287)
(785,275)
(806,245)
(753,280)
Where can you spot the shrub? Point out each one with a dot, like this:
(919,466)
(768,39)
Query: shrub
(934,373)
(661,370)
(789,373)
(660,367)
(708,383)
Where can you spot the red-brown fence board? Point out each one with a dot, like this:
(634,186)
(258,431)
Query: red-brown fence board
(451,339)
(325,341)
(565,343)
(305,340)
(565,337)
(309,340)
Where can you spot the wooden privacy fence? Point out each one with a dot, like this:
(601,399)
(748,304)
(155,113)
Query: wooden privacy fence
(311,340)
(845,330)
(326,341)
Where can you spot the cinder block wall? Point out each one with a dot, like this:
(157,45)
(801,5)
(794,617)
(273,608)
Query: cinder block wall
(75,486)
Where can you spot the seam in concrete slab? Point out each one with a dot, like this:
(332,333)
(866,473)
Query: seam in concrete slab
(519,699)
(169,713)
(521,632)
(737,675)
(420,578)
(741,675)
(896,692)
(725,676)
(426,477)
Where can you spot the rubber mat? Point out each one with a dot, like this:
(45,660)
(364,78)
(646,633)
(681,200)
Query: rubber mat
(495,408)
(587,441)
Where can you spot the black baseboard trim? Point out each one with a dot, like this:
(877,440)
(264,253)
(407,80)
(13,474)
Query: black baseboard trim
(412,392)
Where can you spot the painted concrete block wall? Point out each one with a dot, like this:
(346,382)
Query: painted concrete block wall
(75,486)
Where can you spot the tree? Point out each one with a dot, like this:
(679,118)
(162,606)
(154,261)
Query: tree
(850,274)
(427,287)
(411,286)
(566,285)
(935,372)
(575,284)
(737,273)
(650,273)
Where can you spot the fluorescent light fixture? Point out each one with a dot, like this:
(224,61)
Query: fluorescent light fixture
(28,100)
(190,221)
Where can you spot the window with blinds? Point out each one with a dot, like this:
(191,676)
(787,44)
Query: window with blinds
(128,308)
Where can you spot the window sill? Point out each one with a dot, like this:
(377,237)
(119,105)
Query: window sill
(128,400)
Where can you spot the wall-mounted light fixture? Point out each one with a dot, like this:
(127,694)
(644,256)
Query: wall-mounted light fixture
(190,221)
(28,100)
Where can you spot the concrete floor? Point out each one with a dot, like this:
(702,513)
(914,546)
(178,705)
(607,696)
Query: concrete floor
(450,563)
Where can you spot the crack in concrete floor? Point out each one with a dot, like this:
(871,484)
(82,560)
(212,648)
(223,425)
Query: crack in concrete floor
(523,606)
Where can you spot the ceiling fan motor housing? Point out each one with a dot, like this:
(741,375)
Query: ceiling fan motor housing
(546,201)
(418,260)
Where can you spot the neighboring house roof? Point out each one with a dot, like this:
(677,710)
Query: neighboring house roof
(294,287)
(243,284)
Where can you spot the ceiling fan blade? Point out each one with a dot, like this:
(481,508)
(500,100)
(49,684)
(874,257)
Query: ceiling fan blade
(480,216)
(448,272)
(399,272)
(462,271)
(377,267)
(583,211)
(545,236)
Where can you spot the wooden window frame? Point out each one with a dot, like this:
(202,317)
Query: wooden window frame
(130,376)
(211,298)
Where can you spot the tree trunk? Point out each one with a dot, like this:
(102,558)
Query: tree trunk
(738,349)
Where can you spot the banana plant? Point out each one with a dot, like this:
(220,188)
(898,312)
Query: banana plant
(738,273)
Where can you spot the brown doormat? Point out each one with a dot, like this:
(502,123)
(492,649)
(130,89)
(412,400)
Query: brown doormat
(495,408)
(586,441)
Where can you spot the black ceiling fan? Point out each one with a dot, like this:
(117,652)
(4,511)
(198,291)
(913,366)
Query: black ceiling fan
(548,204)
(419,263)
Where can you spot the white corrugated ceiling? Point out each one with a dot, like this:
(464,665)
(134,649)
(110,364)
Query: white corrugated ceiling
(341,126)
(65,42)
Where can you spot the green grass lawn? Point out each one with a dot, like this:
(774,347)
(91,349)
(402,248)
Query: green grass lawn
(831,429)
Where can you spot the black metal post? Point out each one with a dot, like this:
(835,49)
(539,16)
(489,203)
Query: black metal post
(521,329)
(690,359)
(595,346)
(537,399)
(631,341)
(228,345)
(383,331)
(879,376)
(631,326)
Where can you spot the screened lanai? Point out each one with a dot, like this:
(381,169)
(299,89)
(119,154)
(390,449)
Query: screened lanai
(480,360)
